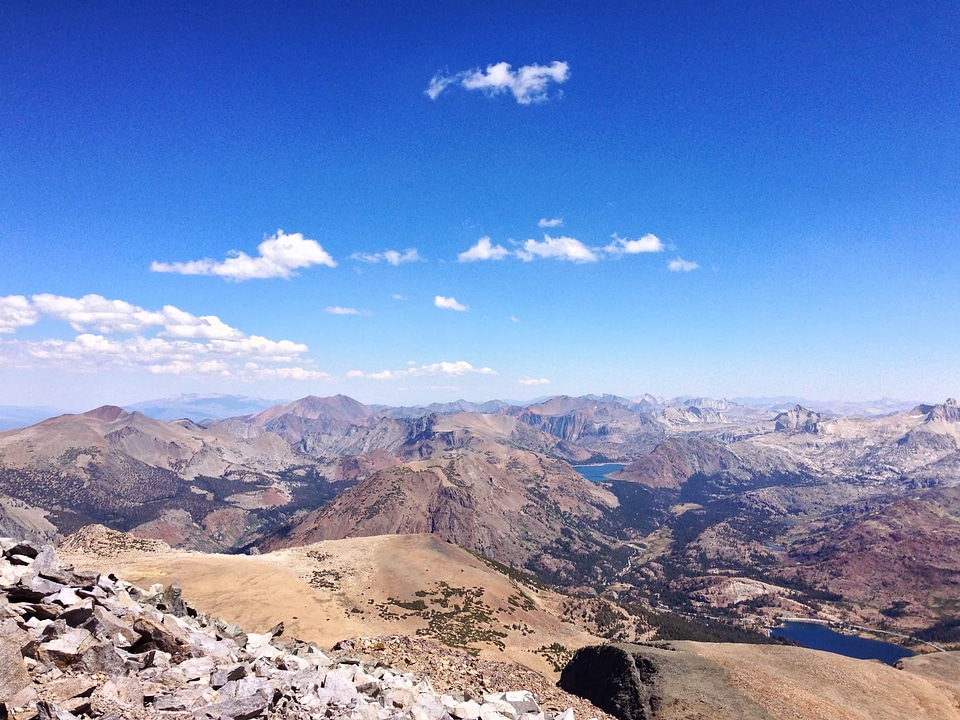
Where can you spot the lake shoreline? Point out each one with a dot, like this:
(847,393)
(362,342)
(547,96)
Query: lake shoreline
(848,640)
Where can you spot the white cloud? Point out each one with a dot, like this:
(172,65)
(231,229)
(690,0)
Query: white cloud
(337,310)
(649,243)
(277,351)
(278,257)
(97,313)
(391,257)
(449,303)
(533,381)
(398,296)
(513,319)
(16,312)
(528,84)
(564,248)
(167,341)
(438,84)
(183,325)
(440,369)
(461,367)
(483,250)
(551,223)
(678,264)
(561,248)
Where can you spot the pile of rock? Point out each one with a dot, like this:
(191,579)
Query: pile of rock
(458,673)
(80,644)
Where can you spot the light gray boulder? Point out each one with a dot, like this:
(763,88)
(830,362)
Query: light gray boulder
(14,675)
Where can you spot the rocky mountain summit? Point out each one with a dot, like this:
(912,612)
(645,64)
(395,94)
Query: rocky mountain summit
(78,644)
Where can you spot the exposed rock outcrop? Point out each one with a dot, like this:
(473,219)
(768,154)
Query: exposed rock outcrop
(797,420)
(640,682)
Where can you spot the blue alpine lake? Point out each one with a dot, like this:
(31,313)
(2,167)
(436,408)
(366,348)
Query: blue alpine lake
(820,637)
(595,473)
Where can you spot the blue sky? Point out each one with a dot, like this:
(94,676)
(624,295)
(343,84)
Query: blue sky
(478,200)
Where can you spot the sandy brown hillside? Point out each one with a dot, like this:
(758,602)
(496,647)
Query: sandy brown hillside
(328,591)
(508,504)
(800,683)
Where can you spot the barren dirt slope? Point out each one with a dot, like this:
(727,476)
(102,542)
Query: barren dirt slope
(789,682)
(328,591)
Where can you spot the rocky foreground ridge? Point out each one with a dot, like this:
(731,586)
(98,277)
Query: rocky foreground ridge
(78,644)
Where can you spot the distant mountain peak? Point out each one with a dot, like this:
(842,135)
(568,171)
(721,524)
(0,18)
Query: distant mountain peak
(107,413)
(948,411)
(799,419)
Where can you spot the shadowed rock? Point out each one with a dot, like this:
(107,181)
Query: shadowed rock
(640,682)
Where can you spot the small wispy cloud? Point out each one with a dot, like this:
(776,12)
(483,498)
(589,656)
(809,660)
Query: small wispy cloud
(513,319)
(449,303)
(533,381)
(561,248)
(551,223)
(483,250)
(441,369)
(391,257)
(678,264)
(398,296)
(278,257)
(337,310)
(569,249)
(528,84)
(649,243)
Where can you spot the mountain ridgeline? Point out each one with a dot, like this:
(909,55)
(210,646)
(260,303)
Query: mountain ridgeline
(722,511)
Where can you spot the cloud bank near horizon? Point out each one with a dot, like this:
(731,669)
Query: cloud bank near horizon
(443,369)
(165,341)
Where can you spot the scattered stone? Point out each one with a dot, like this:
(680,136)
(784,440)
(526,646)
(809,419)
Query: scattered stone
(83,646)
(69,687)
(469,710)
(173,601)
(51,711)
(123,692)
(13,671)
(65,648)
(223,675)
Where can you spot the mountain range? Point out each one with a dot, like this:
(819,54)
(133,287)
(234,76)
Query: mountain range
(721,511)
